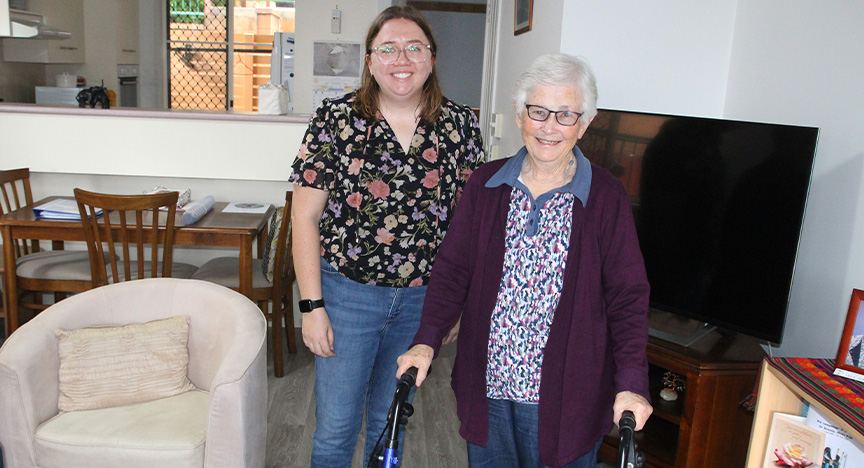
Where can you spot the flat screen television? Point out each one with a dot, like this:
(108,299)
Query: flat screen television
(719,206)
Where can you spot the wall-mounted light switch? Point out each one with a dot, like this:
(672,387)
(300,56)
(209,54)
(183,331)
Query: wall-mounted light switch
(336,22)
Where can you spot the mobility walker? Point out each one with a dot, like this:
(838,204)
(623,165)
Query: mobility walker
(400,410)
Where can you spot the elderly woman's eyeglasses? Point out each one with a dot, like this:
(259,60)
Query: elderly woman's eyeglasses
(564,117)
(389,54)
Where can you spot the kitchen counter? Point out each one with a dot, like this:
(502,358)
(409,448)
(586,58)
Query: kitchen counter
(143,142)
(153,113)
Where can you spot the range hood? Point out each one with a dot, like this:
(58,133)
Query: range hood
(23,24)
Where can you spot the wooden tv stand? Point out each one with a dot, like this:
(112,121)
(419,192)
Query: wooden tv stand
(705,427)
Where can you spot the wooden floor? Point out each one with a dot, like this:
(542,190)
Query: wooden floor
(432,436)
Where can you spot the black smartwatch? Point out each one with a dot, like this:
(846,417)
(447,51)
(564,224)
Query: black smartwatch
(309,305)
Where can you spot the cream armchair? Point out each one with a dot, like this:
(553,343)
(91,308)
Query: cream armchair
(224,427)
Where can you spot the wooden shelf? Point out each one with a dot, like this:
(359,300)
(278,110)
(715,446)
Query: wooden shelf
(705,427)
(778,393)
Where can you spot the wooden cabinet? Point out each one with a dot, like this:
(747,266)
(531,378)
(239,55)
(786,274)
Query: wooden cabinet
(127,32)
(778,393)
(706,426)
(66,15)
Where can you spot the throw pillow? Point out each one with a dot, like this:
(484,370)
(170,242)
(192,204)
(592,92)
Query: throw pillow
(269,259)
(111,366)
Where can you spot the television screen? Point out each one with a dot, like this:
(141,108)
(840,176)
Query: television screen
(718,206)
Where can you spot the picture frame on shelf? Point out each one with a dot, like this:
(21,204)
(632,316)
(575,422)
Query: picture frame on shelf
(850,355)
(522,15)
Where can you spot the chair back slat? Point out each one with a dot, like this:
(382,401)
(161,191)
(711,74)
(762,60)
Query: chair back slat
(132,222)
(16,194)
(98,244)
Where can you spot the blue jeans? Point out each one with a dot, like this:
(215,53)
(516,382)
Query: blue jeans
(372,326)
(513,441)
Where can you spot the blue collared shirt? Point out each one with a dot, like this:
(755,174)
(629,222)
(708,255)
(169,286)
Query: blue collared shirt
(510,172)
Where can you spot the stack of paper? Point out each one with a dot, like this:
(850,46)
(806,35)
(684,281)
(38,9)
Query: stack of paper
(60,209)
(841,449)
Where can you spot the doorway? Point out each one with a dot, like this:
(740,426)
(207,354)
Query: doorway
(465,31)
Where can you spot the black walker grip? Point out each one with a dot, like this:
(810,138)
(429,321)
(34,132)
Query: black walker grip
(409,376)
(628,419)
(628,456)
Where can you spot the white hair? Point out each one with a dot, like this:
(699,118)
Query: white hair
(559,70)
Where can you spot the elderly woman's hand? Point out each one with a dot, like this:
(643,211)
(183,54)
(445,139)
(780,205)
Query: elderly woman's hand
(420,356)
(636,403)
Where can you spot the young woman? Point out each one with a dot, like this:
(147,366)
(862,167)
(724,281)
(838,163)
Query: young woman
(375,185)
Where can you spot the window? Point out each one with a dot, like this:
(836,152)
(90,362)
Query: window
(207,71)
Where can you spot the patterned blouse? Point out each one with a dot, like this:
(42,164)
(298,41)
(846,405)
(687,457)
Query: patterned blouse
(537,239)
(387,211)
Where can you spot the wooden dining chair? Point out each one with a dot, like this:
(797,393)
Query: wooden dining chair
(38,272)
(277,291)
(130,221)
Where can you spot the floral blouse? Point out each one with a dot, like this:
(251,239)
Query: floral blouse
(534,259)
(387,211)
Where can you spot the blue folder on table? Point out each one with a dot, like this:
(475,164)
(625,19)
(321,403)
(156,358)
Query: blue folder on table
(60,209)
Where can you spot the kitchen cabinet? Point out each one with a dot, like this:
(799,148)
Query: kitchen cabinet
(127,32)
(66,15)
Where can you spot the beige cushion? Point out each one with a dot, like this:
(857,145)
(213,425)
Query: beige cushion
(55,264)
(169,432)
(111,366)
(226,271)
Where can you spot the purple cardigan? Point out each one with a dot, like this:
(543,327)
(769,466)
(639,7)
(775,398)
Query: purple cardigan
(598,338)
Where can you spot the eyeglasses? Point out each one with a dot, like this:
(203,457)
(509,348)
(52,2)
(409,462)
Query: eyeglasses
(389,54)
(564,117)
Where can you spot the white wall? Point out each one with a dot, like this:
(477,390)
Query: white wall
(664,56)
(796,63)
(152,70)
(313,24)
(130,146)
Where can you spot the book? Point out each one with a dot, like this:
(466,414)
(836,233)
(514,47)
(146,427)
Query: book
(792,443)
(60,208)
(841,449)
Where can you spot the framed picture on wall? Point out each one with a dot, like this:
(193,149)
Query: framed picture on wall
(850,356)
(524,12)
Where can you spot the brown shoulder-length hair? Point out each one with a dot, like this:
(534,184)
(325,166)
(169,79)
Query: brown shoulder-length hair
(366,99)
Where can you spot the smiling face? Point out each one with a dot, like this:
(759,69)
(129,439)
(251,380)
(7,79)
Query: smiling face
(403,79)
(548,142)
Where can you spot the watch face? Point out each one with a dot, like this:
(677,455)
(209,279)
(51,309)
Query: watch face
(308,305)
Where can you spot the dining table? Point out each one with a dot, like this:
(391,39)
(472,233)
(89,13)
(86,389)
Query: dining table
(214,229)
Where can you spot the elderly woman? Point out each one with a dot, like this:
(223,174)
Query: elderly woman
(543,264)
